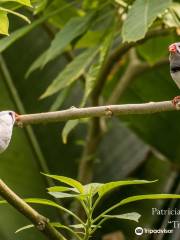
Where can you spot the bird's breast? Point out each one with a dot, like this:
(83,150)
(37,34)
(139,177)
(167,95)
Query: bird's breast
(176,77)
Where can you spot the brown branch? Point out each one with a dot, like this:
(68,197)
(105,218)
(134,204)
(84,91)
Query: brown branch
(133,70)
(119,52)
(100,111)
(39,221)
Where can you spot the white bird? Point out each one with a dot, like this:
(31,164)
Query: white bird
(7,120)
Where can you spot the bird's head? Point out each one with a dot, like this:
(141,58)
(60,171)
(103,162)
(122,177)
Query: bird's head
(174,48)
(9,114)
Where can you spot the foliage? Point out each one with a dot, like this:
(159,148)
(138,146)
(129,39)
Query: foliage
(78,53)
(89,197)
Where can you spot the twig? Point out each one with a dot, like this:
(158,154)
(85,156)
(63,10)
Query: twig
(101,111)
(39,221)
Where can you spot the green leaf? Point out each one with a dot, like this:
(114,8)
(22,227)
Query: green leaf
(24,228)
(24,2)
(6,10)
(172,17)
(4,23)
(74,28)
(8,41)
(92,188)
(61,189)
(94,71)
(59,100)
(63,38)
(69,126)
(134,216)
(147,197)
(105,188)
(36,64)
(69,181)
(71,72)
(42,201)
(40,6)
(65,195)
(141,16)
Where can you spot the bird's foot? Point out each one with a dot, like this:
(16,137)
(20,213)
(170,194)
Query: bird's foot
(176,102)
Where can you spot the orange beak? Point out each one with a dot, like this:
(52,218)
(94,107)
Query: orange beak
(172,48)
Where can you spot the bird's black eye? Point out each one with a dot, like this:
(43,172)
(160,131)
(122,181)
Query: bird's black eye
(10,113)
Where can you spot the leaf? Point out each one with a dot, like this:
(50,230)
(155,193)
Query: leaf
(69,126)
(140,17)
(69,181)
(147,197)
(24,228)
(94,71)
(24,2)
(6,10)
(43,202)
(71,72)
(36,64)
(65,195)
(8,41)
(74,28)
(40,6)
(59,100)
(105,188)
(63,38)
(61,189)
(92,188)
(4,23)
(134,216)
(172,17)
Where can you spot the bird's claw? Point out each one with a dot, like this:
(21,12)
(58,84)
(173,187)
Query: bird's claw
(176,102)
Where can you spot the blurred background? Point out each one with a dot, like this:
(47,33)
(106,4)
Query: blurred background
(88,53)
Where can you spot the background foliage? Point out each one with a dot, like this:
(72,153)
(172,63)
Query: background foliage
(78,53)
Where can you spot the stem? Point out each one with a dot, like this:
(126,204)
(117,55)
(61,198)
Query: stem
(41,223)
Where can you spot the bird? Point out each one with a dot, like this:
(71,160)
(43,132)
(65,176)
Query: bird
(174,59)
(7,120)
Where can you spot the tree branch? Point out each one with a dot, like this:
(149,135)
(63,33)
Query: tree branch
(40,222)
(119,52)
(100,111)
(133,70)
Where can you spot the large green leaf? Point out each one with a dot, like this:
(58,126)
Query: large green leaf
(72,72)
(148,197)
(105,188)
(74,28)
(141,16)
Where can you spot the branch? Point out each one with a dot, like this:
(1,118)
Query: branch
(133,70)
(119,52)
(100,111)
(40,222)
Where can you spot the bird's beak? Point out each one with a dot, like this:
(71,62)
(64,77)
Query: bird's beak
(172,48)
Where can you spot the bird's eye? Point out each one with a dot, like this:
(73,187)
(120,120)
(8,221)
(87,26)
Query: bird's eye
(10,113)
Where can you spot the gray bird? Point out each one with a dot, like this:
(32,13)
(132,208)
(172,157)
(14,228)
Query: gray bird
(7,120)
(174,59)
